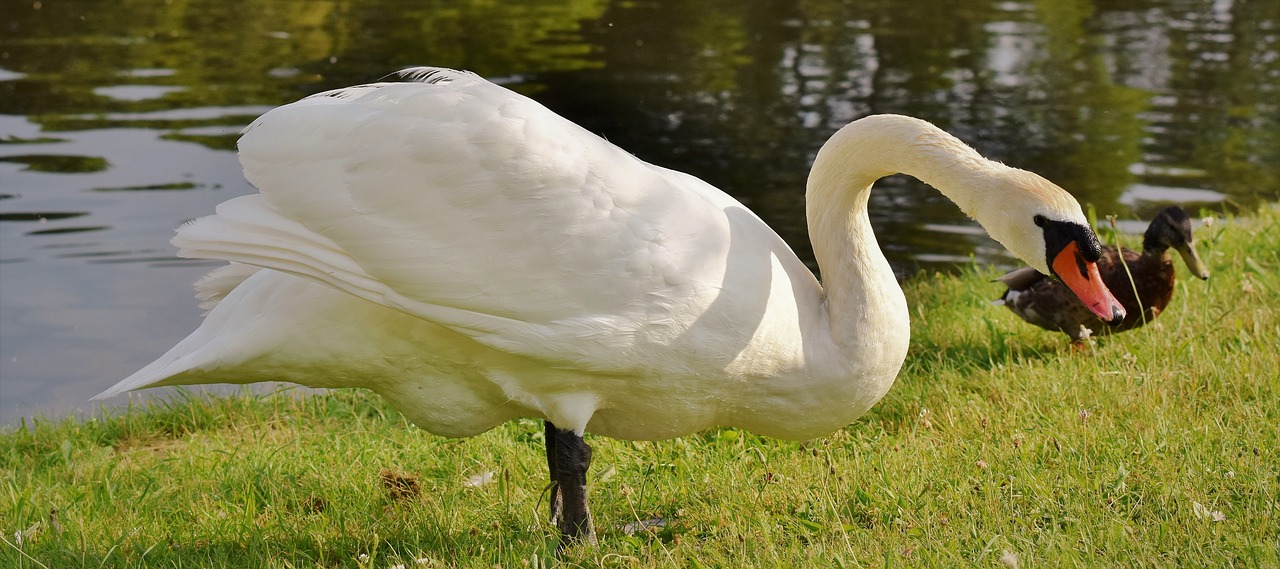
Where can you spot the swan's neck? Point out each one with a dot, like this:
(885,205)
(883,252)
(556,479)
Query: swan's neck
(862,317)
(862,295)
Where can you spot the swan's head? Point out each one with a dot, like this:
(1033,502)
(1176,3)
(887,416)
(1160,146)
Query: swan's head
(1072,251)
(1043,224)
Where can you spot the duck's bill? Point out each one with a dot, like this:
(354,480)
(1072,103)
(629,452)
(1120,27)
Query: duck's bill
(1193,261)
(1083,279)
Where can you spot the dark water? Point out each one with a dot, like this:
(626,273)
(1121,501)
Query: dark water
(118,122)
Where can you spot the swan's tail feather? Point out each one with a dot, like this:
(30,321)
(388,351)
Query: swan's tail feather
(191,362)
(246,231)
(217,351)
(154,375)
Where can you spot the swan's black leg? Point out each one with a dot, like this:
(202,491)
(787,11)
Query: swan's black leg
(557,503)
(572,459)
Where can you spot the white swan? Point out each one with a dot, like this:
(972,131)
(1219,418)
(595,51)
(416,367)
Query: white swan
(473,257)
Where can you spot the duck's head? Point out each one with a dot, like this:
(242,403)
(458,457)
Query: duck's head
(1042,224)
(1171,229)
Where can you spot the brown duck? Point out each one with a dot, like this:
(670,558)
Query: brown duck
(1049,304)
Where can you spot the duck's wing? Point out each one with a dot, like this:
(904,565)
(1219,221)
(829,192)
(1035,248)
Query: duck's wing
(463,203)
(1047,303)
(1113,261)
(1117,267)
(1020,279)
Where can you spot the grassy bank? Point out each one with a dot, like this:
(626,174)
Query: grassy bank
(999,445)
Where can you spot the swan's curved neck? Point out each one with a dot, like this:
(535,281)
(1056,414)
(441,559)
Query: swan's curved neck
(858,283)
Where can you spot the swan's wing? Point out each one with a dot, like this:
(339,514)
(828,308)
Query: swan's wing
(466,204)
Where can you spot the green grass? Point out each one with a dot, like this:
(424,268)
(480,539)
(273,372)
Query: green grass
(1157,448)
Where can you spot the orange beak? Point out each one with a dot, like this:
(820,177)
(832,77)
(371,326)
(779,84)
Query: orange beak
(1082,278)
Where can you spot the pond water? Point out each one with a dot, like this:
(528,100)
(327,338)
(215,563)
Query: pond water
(118,122)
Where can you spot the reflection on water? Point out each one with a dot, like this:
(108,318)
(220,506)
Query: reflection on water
(55,163)
(135,92)
(118,122)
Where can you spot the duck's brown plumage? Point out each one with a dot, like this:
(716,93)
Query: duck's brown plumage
(1047,303)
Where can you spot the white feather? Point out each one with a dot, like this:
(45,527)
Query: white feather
(474,257)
